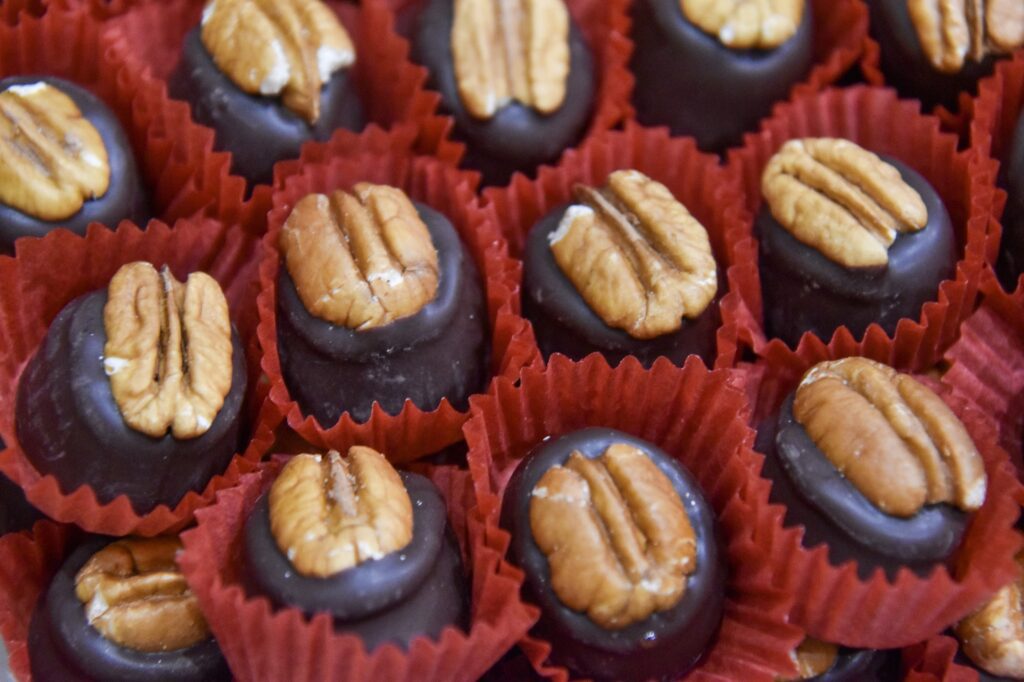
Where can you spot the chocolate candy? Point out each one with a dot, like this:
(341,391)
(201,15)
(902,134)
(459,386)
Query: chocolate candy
(70,424)
(1011,256)
(805,291)
(125,197)
(64,645)
(395,596)
(517,137)
(439,352)
(259,131)
(693,83)
(667,642)
(15,511)
(861,665)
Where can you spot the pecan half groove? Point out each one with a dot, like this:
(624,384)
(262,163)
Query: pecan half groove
(746,24)
(952,31)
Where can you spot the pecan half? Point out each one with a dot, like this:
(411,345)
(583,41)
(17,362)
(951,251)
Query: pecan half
(361,260)
(52,159)
(278,47)
(746,24)
(636,255)
(993,636)
(951,31)
(616,535)
(329,513)
(168,351)
(841,199)
(134,594)
(505,50)
(890,435)
(813,658)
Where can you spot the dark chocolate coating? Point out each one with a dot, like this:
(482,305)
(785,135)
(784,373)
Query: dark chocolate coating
(688,80)
(125,198)
(907,68)
(834,512)
(564,323)
(418,590)
(70,426)
(667,643)
(1011,257)
(439,352)
(804,291)
(15,511)
(862,665)
(516,138)
(258,131)
(64,646)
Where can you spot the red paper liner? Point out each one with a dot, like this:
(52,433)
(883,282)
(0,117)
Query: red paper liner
(832,603)
(412,432)
(695,415)
(28,561)
(12,10)
(997,108)
(710,192)
(875,119)
(262,644)
(605,25)
(48,273)
(840,28)
(987,363)
(932,661)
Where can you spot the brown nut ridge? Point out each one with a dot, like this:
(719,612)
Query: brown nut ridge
(168,351)
(616,536)
(812,658)
(278,47)
(841,199)
(360,260)
(636,255)
(746,24)
(134,594)
(329,514)
(953,31)
(993,636)
(52,159)
(890,435)
(505,50)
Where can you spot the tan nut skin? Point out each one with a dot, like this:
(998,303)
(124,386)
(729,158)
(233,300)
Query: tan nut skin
(510,50)
(812,658)
(329,514)
(891,436)
(277,47)
(638,258)
(134,594)
(168,350)
(951,32)
(362,259)
(617,538)
(52,159)
(841,199)
(746,24)
(993,636)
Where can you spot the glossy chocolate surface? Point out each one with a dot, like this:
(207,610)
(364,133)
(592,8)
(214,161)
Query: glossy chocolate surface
(64,646)
(834,512)
(70,426)
(517,138)
(440,352)
(862,665)
(806,292)
(689,81)
(564,323)
(1011,257)
(907,68)
(258,131)
(667,643)
(125,198)
(418,590)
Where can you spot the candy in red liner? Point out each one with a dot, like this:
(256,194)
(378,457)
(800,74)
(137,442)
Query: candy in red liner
(48,273)
(963,180)
(695,179)
(31,558)
(262,643)
(696,416)
(412,432)
(832,602)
